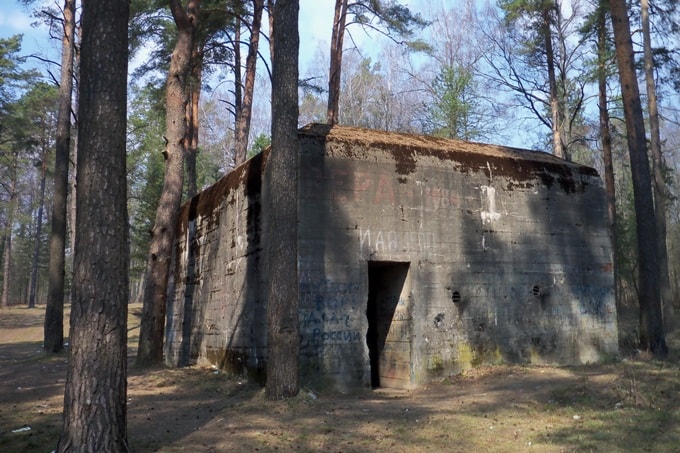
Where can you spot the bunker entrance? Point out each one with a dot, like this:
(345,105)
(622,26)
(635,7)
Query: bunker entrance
(388,337)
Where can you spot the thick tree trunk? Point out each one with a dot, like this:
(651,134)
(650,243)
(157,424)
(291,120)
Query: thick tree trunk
(95,395)
(658,168)
(163,233)
(54,311)
(280,208)
(335,70)
(244,113)
(38,232)
(606,139)
(652,335)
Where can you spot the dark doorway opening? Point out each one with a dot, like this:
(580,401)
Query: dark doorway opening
(388,336)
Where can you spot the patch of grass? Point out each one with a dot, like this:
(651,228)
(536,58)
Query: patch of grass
(636,411)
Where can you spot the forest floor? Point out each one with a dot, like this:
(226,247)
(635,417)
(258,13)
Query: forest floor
(627,406)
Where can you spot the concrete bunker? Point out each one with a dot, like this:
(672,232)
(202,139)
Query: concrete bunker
(418,257)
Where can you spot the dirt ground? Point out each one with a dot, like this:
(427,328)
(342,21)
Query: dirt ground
(627,406)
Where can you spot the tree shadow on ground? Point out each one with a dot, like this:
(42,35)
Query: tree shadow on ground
(626,406)
(486,409)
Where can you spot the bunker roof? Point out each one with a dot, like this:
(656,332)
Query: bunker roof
(406,150)
(444,148)
(519,164)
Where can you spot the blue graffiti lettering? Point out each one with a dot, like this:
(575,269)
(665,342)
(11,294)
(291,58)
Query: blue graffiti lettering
(314,318)
(335,336)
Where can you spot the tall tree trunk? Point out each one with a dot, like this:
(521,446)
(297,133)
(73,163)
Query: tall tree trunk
(163,233)
(606,139)
(658,168)
(74,189)
(6,261)
(270,10)
(556,117)
(565,119)
(74,170)
(95,397)
(652,337)
(245,112)
(7,237)
(6,267)
(280,208)
(38,232)
(54,311)
(191,154)
(195,84)
(238,82)
(335,70)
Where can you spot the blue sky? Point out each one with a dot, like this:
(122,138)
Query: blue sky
(16,19)
(315,20)
(315,26)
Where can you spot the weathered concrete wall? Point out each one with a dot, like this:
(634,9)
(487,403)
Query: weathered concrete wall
(215,310)
(508,250)
(418,257)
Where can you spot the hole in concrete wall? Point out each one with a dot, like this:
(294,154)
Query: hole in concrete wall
(388,335)
(458,301)
(536,290)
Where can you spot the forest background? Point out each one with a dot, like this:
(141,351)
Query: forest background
(556,76)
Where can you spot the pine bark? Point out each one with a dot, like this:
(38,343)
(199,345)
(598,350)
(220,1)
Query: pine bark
(605,137)
(195,84)
(95,395)
(652,337)
(38,233)
(280,208)
(7,233)
(244,113)
(54,310)
(238,82)
(658,168)
(6,260)
(335,70)
(556,117)
(565,118)
(150,349)
(270,9)
(7,239)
